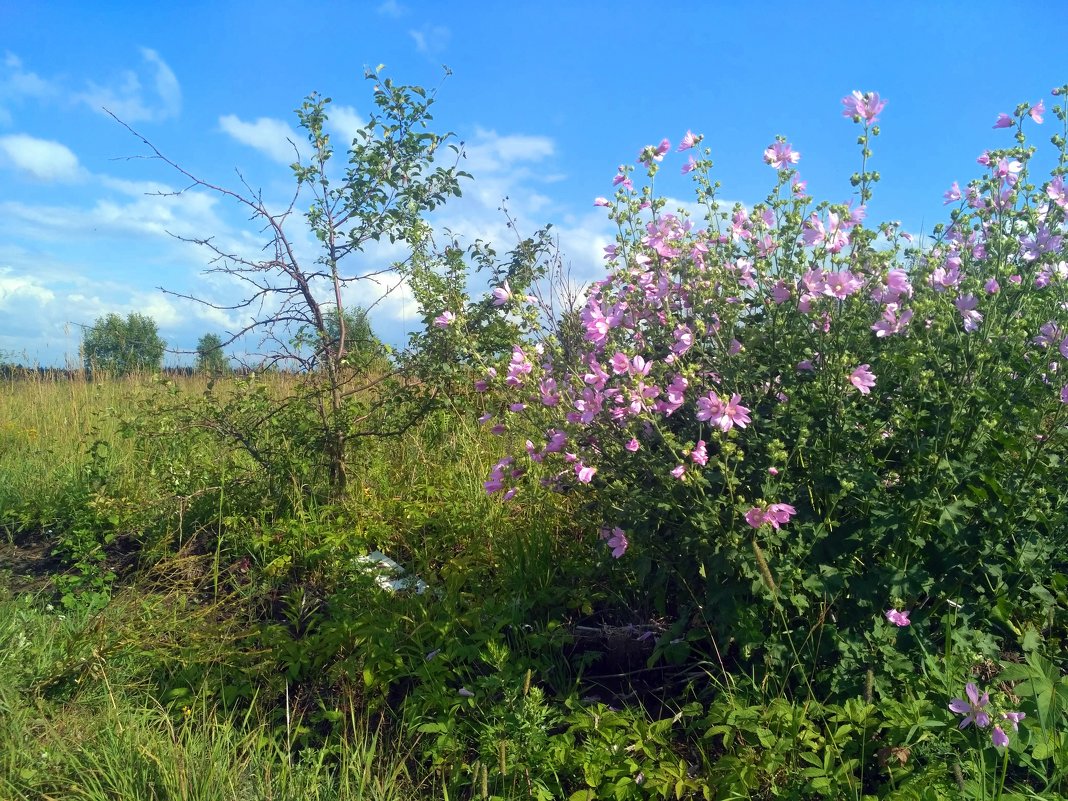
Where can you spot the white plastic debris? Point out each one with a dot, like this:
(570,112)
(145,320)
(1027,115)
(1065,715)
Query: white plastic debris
(389,575)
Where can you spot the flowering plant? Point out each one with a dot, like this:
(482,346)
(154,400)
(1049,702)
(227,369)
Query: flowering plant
(975,710)
(786,408)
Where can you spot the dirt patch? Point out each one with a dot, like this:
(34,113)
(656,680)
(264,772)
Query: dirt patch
(27,565)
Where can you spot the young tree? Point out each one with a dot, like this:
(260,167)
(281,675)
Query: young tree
(396,172)
(210,356)
(117,346)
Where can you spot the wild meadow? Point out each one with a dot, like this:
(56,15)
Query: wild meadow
(776,508)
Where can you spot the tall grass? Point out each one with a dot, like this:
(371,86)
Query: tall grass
(45,424)
(87,713)
(51,424)
(78,721)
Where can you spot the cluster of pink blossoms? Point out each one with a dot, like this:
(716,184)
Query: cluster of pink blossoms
(641,323)
(975,711)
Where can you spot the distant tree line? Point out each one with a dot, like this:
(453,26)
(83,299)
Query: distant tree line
(117,346)
(13,371)
(114,346)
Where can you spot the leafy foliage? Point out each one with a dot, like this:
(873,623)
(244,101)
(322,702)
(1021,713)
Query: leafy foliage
(787,422)
(119,347)
(210,357)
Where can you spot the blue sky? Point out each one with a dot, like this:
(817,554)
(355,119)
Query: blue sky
(550,97)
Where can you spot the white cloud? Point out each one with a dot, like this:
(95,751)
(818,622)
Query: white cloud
(134,188)
(490,152)
(347,122)
(272,137)
(190,214)
(41,159)
(391,8)
(159,307)
(127,98)
(15,290)
(431,39)
(17,82)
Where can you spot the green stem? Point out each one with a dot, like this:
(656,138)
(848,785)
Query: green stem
(1004,773)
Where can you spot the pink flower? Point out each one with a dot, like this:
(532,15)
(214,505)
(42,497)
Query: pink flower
(779,514)
(700,453)
(972,709)
(1057,192)
(775,515)
(1009,170)
(780,293)
(755,517)
(1014,718)
(992,286)
(683,340)
(813,232)
(583,473)
(890,322)
(556,441)
(632,445)
(841,285)
(547,387)
(967,305)
(689,165)
(688,141)
(444,320)
(1044,241)
(863,379)
(620,363)
(781,155)
(650,154)
(1047,334)
(728,414)
(616,540)
(900,619)
(1037,111)
(1003,121)
(622,178)
(678,471)
(999,738)
(600,201)
(952,195)
(865,106)
(675,396)
(708,407)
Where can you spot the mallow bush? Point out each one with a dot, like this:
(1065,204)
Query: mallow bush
(789,421)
